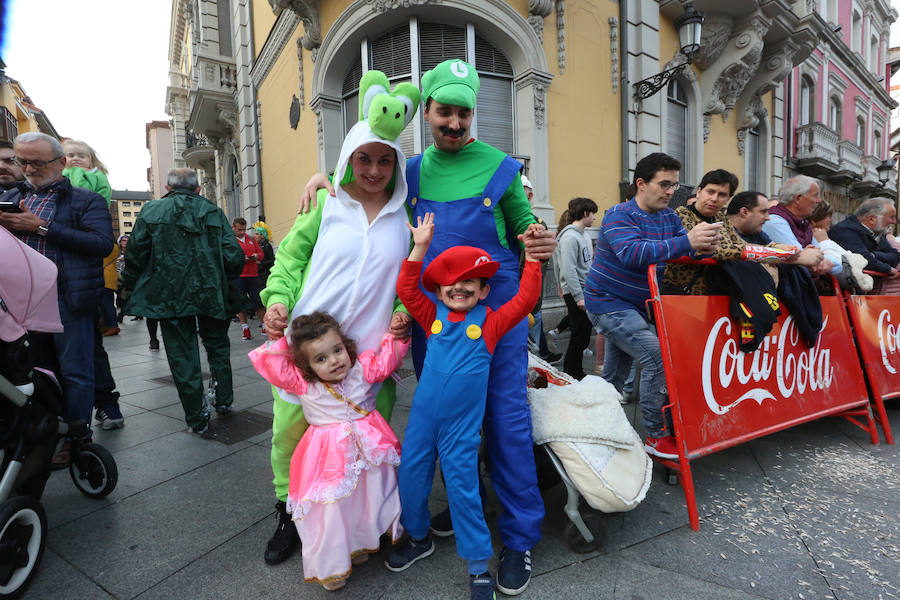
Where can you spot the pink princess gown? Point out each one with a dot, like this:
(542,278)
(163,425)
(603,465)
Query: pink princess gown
(343,478)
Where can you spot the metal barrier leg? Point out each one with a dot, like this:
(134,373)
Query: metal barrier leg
(882,418)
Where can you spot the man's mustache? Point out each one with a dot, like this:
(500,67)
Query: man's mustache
(447,131)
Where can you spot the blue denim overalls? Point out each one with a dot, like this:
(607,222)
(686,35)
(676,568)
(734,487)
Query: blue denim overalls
(444,423)
(507,420)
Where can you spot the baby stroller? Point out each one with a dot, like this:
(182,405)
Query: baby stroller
(588,443)
(31,405)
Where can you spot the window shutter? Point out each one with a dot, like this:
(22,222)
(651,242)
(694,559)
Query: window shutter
(751,152)
(438,43)
(676,128)
(494,113)
(390,53)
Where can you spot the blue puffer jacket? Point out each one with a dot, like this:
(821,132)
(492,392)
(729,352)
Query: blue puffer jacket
(81,230)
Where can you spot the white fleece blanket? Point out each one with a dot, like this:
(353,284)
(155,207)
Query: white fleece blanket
(587,411)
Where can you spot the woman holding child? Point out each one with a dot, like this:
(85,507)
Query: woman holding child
(343,257)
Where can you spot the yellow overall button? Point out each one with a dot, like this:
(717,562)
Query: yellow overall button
(413,201)
(487,201)
(437,326)
(473,331)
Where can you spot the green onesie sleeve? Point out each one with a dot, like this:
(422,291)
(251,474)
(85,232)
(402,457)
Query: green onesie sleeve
(288,274)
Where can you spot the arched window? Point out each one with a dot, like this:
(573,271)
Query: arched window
(677,132)
(861,132)
(392,53)
(834,114)
(876,143)
(807,100)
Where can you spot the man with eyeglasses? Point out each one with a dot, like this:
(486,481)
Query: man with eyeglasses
(10,173)
(633,236)
(72,227)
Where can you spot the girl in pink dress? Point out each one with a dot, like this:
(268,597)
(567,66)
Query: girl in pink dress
(343,477)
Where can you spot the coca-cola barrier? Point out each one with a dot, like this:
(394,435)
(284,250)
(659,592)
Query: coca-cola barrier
(721,397)
(876,322)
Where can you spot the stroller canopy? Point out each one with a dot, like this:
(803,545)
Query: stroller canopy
(28,298)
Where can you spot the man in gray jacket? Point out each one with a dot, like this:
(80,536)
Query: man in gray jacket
(573,256)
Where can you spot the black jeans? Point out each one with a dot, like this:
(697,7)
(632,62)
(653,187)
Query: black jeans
(578,340)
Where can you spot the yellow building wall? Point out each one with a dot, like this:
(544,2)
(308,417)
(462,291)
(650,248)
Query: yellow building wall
(583,114)
(585,160)
(263,20)
(721,151)
(288,157)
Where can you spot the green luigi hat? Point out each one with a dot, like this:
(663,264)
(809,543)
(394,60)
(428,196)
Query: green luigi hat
(451,82)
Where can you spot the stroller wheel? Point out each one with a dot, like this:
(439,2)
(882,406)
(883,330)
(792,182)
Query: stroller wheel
(93,470)
(23,533)
(577,542)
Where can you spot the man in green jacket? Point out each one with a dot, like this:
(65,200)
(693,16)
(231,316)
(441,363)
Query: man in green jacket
(181,255)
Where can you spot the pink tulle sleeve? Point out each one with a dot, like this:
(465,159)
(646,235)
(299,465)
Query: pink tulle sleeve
(378,367)
(273,361)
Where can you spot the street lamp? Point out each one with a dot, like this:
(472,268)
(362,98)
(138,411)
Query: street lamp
(689,27)
(885,170)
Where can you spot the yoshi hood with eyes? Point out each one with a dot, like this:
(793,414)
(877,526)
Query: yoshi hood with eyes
(383,115)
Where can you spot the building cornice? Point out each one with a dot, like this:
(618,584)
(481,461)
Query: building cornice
(278,38)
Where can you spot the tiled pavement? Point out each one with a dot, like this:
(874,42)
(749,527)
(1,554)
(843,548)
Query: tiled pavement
(807,513)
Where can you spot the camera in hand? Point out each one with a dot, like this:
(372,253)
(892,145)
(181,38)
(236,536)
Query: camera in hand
(10,207)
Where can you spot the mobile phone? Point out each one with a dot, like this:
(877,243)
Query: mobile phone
(10,207)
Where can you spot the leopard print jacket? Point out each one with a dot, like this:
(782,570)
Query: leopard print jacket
(694,279)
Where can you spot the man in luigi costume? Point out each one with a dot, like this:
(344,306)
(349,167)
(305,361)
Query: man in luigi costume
(476,195)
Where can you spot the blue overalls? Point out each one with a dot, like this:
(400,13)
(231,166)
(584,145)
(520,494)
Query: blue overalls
(444,423)
(507,419)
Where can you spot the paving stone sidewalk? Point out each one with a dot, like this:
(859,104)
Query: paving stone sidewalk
(811,512)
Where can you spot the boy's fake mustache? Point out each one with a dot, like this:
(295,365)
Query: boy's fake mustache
(466,293)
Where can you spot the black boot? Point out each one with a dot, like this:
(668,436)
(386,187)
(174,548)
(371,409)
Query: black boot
(285,539)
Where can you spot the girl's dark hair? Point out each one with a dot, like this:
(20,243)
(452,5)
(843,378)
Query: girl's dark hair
(307,328)
(822,211)
(564,220)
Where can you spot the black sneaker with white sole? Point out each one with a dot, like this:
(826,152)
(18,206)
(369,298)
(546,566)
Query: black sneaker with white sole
(514,572)
(408,552)
(442,524)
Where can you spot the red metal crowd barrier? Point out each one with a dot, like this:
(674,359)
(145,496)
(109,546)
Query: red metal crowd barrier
(720,397)
(876,324)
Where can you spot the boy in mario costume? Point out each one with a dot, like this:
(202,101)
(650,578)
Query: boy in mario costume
(449,403)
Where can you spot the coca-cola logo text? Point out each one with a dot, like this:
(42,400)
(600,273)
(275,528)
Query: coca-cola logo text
(795,366)
(888,339)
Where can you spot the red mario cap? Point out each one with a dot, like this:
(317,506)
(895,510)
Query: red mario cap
(458,263)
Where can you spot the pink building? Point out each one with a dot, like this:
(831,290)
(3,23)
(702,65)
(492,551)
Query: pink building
(838,104)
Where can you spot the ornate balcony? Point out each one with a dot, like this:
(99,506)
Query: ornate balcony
(869,184)
(850,167)
(213,84)
(817,150)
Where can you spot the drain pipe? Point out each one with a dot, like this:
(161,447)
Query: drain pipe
(625,91)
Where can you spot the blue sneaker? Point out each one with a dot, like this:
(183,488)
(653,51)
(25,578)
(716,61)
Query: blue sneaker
(110,417)
(407,553)
(514,573)
(481,587)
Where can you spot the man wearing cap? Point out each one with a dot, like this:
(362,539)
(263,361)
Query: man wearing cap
(476,195)
(449,404)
